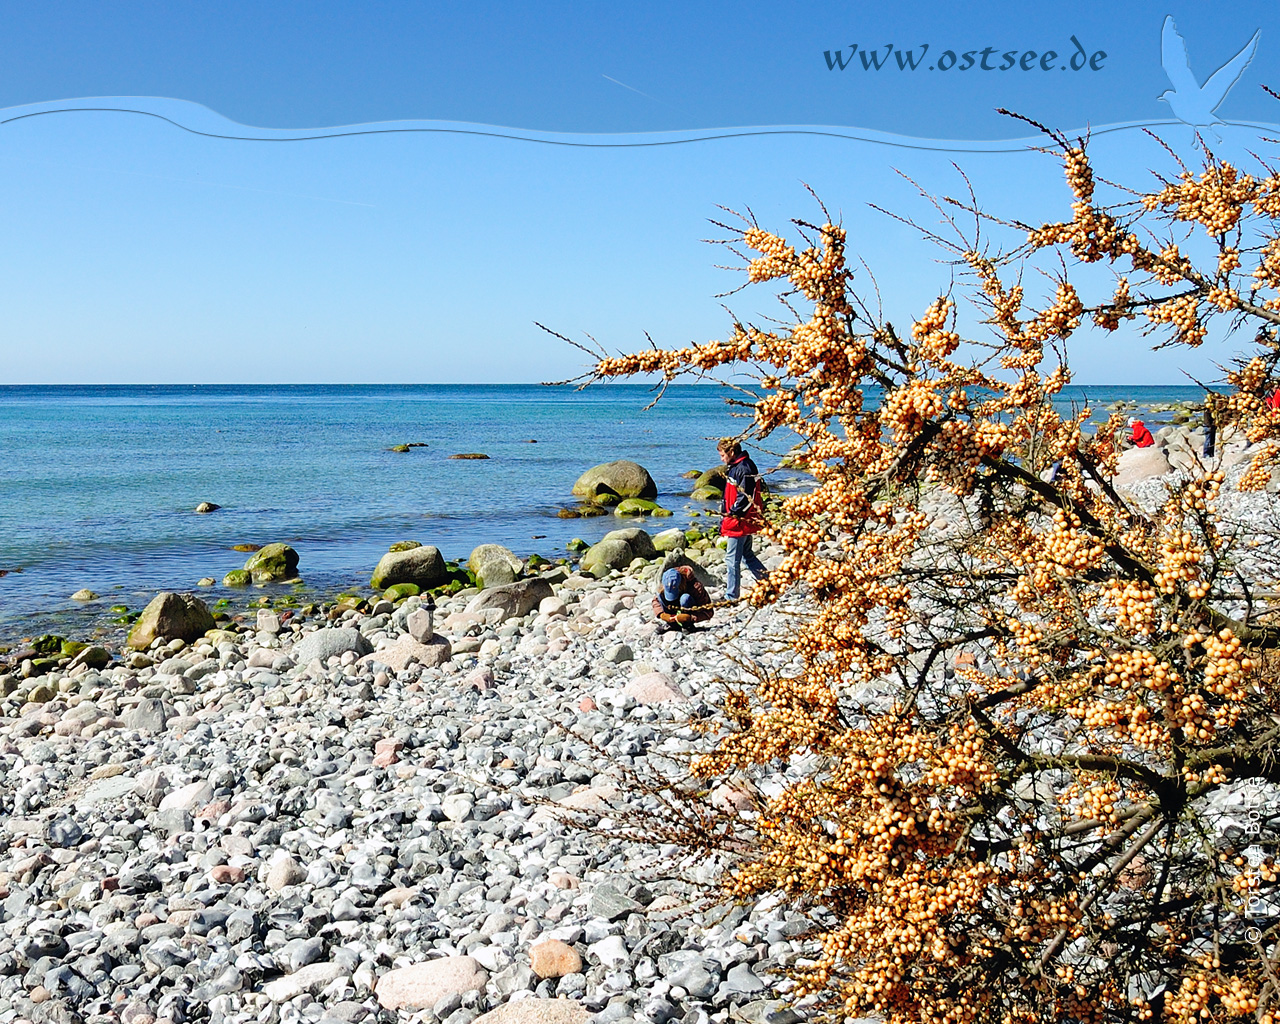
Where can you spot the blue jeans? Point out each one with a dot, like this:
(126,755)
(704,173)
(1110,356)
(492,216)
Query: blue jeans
(739,551)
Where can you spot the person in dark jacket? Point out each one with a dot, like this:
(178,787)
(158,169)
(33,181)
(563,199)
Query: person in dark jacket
(742,515)
(682,600)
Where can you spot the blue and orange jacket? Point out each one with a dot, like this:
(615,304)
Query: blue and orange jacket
(743,507)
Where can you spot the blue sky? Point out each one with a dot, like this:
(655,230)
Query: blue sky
(135,251)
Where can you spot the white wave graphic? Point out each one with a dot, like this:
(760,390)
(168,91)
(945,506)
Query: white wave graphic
(197,119)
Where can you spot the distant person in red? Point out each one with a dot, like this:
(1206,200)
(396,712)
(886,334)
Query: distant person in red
(1273,400)
(1141,436)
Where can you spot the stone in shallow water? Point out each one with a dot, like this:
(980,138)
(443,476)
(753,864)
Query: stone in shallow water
(172,616)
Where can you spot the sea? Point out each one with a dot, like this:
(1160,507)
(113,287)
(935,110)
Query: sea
(98,483)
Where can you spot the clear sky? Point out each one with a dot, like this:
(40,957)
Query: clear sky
(136,251)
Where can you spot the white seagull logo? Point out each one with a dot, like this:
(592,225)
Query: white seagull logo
(1191,102)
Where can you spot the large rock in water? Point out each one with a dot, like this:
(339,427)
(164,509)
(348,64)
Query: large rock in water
(494,565)
(713,477)
(623,478)
(422,566)
(512,600)
(273,563)
(173,617)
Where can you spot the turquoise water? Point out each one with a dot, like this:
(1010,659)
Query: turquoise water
(98,483)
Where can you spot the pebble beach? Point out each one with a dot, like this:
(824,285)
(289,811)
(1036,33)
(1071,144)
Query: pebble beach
(340,816)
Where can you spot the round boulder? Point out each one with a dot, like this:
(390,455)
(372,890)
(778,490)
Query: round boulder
(494,565)
(623,478)
(714,477)
(670,540)
(640,543)
(173,617)
(605,555)
(325,643)
(513,599)
(1140,464)
(273,563)
(423,566)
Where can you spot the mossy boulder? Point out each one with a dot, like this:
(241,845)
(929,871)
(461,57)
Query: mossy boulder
(640,507)
(605,555)
(237,578)
(640,543)
(173,617)
(422,566)
(707,494)
(622,477)
(713,477)
(618,550)
(93,657)
(404,545)
(85,595)
(273,563)
(494,565)
(400,591)
(670,540)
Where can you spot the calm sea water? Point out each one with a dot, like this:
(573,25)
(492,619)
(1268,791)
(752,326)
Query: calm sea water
(98,483)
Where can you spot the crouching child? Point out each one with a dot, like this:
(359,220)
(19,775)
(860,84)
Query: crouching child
(682,600)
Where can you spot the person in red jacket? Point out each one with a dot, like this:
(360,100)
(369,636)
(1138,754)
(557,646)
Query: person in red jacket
(1141,437)
(742,514)
(1273,400)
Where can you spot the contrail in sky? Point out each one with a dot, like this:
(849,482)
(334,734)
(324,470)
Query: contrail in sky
(632,88)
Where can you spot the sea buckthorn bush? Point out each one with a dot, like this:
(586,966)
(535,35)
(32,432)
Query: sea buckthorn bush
(1023,832)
